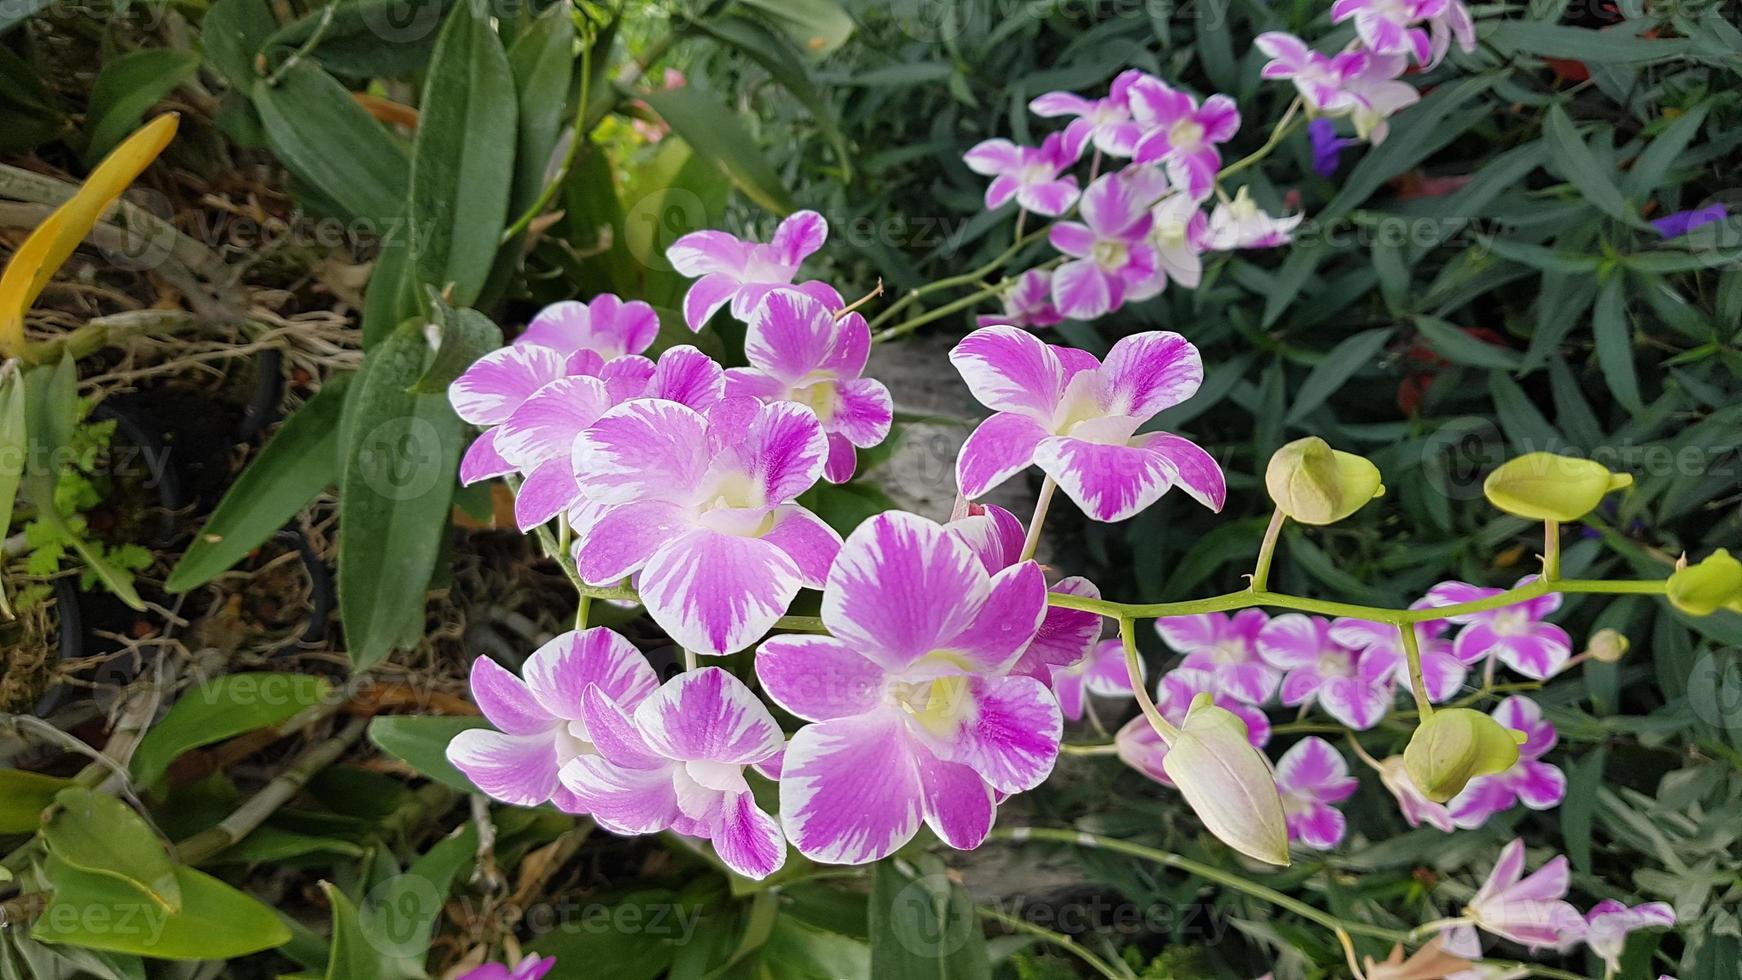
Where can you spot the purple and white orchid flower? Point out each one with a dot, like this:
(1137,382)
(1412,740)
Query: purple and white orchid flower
(1442,672)
(530,967)
(1239,224)
(701,509)
(1532,911)
(1111,259)
(1379,95)
(1101,673)
(1391,26)
(1536,784)
(1227,648)
(676,762)
(1182,134)
(1609,922)
(1515,634)
(799,351)
(1106,122)
(1033,175)
(538,724)
(1027,303)
(1312,776)
(1177,230)
(1077,419)
(1323,80)
(738,272)
(1354,688)
(606,325)
(914,714)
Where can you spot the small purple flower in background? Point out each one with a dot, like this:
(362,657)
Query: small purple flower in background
(1105,122)
(1417,808)
(1389,26)
(530,967)
(1327,146)
(1030,174)
(1379,95)
(1538,785)
(1323,80)
(1354,688)
(1027,303)
(607,326)
(1177,234)
(1531,911)
(800,352)
(741,273)
(1140,746)
(1311,776)
(913,714)
(1451,23)
(1065,636)
(538,725)
(1442,672)
(1111,258)
(702,509)
(1226,647)
(1077,419)
(677,762)
(1609,922)
(1239,224)
(1516,634)
(1182,134)
(1680,223)
(1101,673)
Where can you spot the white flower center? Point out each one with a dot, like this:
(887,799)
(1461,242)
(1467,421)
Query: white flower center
(1335,663)
(1110,255)
(1185,134)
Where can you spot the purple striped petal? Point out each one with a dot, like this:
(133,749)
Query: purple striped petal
(1148,372)
(701,253)
(783,452)
(1109,483)
(506,701)
(998,449)
(620,542)
(843,459)
(495,385)
(863,411)
(1193,470)
(1005,624)
(789,335)
(818,677)
(1051,198)
(799,234)
(718,593)
(517,769)
(1065,635)
(1539,785)
(550,489)
(623,801)
(747,840)
(1072,238)
(901,587)
(707,715)
(482,461)
(1314,824)
(1010,370)
(644,449)
(705,298)
(614,734)
(994,534)
(1083,291)
(1139,747)
(559,673)
(993,156)
(546,424)
(1539,654)
(850,789)
(1293,640)
(689,377)
(807,540)
(1011,736)
(959,806)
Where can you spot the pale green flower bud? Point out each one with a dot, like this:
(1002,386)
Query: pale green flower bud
(1455,745)
(1315,484)
(1703,589)
(1228,782)
(1548,487)
(1607,646)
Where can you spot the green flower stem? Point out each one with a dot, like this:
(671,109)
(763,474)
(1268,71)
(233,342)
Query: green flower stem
(1417,683)
(1058,939)
(1277,133)
(582,130)
(909,326)
(1091,748)
(950,282)
(1041,503)
(1134,670)
(1551,550)
(1267,550)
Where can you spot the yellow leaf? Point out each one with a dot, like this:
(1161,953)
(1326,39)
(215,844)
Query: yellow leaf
(53,241)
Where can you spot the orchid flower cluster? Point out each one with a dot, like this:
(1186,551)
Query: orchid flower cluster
(939,676)
(1143,225)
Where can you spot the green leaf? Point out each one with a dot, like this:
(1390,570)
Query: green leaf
(462,165)
(817,26)
(23,797)
(353,955)
(1338,366)
(642,953)
(1458,346)
(223,708)
(1574,160)
(924,926)
(461,337)
(399,914)
(1615,343)
(216,922)
(713,130)
(786,66)
(542,60)
(325,139)
(272,845)
(364,38)
(14,450)
(300,461)
(421,742)
(233,32)
(391,296)
(1583,782)
(1652,166)
(796,951)
(99,834)
(1617,46)
(395,490)
(1416,135)
(126,88)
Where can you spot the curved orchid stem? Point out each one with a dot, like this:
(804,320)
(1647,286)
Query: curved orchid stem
(1267,550)
(1551,550)
(1134,670)
(1417,683)
(1058,939)
(1041,502)
(1276,135)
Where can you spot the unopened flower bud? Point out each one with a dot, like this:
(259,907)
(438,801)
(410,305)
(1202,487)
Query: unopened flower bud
(1703,589)
(1228,782)
(1315,484)
(1455,745)
(1607,646)
(1550,487)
